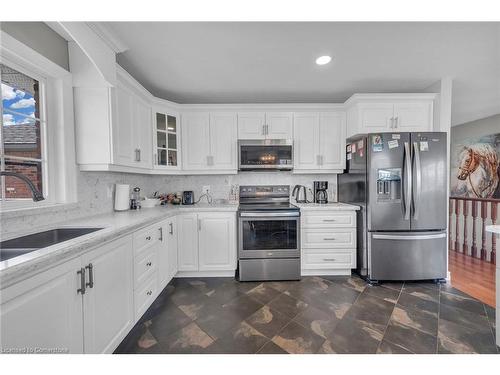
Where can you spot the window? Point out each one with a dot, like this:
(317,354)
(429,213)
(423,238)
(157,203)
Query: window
(22,136)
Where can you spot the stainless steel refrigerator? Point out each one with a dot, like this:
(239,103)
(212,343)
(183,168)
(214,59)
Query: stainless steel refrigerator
(400,182)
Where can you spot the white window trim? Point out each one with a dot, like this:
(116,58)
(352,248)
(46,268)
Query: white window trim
(59,142)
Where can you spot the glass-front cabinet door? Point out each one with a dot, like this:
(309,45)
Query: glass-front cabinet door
(166,140)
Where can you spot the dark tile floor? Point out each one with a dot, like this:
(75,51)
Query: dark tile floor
(314,315)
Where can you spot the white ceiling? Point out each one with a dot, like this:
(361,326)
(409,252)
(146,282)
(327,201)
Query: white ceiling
(238,62)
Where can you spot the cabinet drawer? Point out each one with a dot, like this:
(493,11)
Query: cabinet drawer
(329,219)
(145,265)
(145,295)
(146,237)
(343,259)
(330,238)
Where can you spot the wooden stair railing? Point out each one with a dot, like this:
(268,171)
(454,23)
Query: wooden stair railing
(480,209)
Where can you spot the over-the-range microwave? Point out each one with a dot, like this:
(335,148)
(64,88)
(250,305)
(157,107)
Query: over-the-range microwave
(265,154)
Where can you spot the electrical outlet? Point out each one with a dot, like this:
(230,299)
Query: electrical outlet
(205,189)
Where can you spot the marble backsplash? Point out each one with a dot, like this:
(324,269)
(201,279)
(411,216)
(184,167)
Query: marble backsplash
(96,193)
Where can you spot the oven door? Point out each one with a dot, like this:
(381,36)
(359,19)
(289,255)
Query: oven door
(269,235)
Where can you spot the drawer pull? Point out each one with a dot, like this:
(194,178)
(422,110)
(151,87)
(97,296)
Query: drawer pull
(329,259)
(329,220)
(329,239)
(149,264)
(149,293)
(148,238)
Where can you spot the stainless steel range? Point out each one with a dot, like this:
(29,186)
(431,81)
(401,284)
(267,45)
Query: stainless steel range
(268,234)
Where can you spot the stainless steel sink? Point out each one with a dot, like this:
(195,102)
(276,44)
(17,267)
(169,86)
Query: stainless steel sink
(26,244)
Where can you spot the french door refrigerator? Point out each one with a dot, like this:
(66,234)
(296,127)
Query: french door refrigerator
(400,182)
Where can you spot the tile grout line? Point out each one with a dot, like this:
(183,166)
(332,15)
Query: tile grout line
(389,321)
(438,318)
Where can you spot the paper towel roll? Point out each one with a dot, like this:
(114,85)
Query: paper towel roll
(122,197)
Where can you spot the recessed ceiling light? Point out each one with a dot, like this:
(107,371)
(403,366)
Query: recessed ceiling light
(322,60)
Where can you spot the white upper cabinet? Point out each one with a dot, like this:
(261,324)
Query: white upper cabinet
(265,125)
(413,116)
(195,140)
(306,141)
(166,139)
(209,142)
(113,127)
(378,113)
(376,117)
(319,142)
(279,125)
(251,125)
(223,141)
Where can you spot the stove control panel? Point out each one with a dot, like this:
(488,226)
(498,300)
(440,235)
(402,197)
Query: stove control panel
(253,191)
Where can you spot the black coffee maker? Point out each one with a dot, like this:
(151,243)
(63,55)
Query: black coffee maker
(321,192)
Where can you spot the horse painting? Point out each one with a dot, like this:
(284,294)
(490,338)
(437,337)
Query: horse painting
(478,168)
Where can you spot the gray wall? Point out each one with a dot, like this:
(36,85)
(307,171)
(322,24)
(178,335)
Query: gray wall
(473,129)
(41,38)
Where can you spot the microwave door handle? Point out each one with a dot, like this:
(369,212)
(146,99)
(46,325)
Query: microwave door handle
(408,181)
(418,177)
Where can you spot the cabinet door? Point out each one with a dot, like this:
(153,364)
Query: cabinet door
(163,255)
(306,141)
(376,117)
(413,116)
(279,125)
(332,128)
(142,130)
(217,241)
(223,141)
(123,128)
(108,307)
(251,125)
(195,141)
(187,237)
(44,311)
(166,140)
(171,235)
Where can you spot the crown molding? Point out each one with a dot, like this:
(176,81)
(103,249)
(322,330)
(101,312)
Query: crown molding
(113,42)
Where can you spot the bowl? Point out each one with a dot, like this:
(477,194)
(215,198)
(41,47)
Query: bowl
(150,202)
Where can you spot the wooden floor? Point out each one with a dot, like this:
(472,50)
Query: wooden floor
(473,276)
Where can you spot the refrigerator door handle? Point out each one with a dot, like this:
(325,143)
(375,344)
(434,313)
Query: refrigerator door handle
(408,238)
(408,181)
(418,176)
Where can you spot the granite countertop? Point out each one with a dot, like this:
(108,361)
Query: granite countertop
(337,206)
(493,229)
(114,224)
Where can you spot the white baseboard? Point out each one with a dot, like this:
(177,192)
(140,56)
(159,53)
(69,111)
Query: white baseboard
(327,272)
(206,273)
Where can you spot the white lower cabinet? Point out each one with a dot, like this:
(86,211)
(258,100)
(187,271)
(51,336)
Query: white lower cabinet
(59,309)
(217,242)
(167,253)
(207,242)
(108,303)
(328,242)
(43,312)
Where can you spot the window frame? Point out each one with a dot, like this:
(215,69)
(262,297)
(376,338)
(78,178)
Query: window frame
(44,155)
(60,186)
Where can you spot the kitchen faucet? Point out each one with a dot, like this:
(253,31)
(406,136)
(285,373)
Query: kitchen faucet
(37,196)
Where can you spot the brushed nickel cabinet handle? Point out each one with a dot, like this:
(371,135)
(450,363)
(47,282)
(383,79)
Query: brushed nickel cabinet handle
(329,239)
(81,272)
(161,233)
(329,220)
(149,292)
(149,264)
(90,267)
(171,228)
(329,259)
(148,238)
